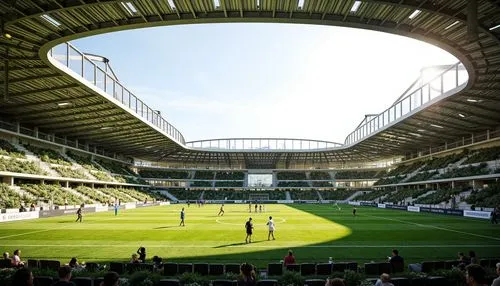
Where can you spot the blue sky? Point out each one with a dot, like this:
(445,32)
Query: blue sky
(264,80)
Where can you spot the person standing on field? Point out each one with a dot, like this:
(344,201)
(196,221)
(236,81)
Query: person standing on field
(249,229)
(272,228)
(182,217)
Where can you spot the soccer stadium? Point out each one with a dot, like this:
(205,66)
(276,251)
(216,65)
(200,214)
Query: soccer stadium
(97,183)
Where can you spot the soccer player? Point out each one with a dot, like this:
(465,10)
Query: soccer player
(116,209)
(249,229)
(270,223)
(221,212)
(256,206)
(79,213)
(354,211)
(182,217)
(260,208)
(249,207)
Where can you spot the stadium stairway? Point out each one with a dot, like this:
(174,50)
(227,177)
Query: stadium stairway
(22,192)
(168,195)
(80,167)
(288,196)
(354,195)
(72,191)
(34,158)
(319,195)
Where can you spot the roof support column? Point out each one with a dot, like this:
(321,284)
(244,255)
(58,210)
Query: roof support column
(472,20)
(6,77)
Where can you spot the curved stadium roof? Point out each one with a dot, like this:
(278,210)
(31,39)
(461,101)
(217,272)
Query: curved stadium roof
(35,83)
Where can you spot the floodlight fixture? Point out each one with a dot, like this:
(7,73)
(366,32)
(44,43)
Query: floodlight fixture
(461,115)
(414,14)
(437,126)
(494,27)
(51,20)
(217,3)
(451,25)
(474,100)
(355,6)
(65,103)
(106,127)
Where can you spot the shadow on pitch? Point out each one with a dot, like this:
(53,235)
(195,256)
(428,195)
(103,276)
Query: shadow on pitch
(163,227)
(238,243)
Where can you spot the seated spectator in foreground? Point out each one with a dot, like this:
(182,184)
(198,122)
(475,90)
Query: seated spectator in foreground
(6,255)
(73,263)
(64,273)
(334,282)
(496,282)
(22,277)
(247,275)
(135,259)
(110,279)
(157,263)
(16,259)
(475,275)
(462,260)
(472,257)
(289,259)
(395,259)
(384,280)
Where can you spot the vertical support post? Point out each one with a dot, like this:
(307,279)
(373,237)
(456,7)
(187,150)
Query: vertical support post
(6,77)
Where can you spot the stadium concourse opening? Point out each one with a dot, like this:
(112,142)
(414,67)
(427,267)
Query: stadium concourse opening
(92,166)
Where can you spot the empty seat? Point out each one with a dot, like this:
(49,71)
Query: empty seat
(427,266)
(397,266)
(33,263)
(439,265)
(98,280)
(352,266)
(224,282)
(117,267)
(92,267)
(133,267)
(339,266)
(371,280)
(170,269)
(50,264)
(307,269)
(216,269)
(371,269)
(169,282)
(484,263)
(293,267)
(274,269)
(419,281)
(400,281)
(83,281)
(324,269)
(5,263)
(314,282)
(384,267)
(267,282)
(200,268)
(185,268)
(43,281)
(233,268)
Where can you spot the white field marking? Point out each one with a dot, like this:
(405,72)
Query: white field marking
(229,223)
(254,245)
(434,227)
(45,230)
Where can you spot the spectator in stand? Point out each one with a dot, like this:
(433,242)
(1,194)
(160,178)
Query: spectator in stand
(384,280)
(142,254)
(472,257)
(289,259)
(496,282)
(22,277)
(247,275)
(157,263)
(74,265)
(16,259)
(395,259)
(334,282)
(462,260)
(110,279)
(6,255)
(135,259)
(475,275)
(64,273)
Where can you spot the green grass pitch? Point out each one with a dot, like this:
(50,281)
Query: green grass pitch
(313,232)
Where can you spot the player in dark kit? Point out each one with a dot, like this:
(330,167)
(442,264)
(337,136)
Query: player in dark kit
(354,211)
(79,213)
(221,212)
(182,217)
(249,229)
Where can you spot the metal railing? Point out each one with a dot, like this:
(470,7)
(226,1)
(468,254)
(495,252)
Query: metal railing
(455,77)
(263,144)
(81,64)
